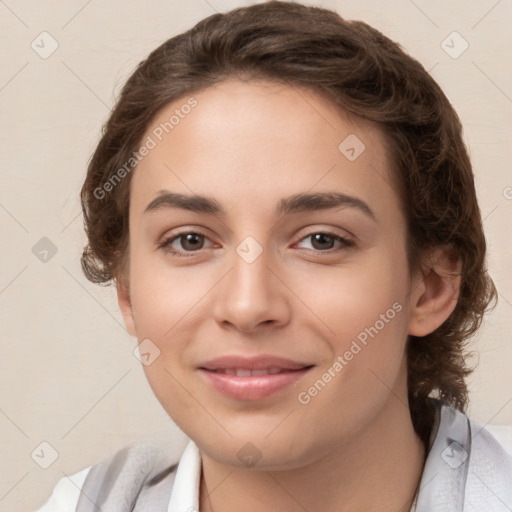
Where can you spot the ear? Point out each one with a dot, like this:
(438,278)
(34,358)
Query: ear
(435,291)
(125,304)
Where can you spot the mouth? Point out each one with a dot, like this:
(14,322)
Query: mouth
(257,378)
(242,372)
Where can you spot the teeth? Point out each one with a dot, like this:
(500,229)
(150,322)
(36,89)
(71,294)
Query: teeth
(260,372)
(242,372)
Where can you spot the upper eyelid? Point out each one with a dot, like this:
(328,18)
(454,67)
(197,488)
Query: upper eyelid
(175,236)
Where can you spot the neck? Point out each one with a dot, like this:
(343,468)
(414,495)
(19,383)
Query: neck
(379,470)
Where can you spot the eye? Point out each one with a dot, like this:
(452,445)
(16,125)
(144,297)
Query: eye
(323,241)
(190,242)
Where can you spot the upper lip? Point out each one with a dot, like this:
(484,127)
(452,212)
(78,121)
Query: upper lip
(262,362)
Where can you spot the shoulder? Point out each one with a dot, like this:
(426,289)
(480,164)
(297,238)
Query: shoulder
(484,465)
(490,469)
(120,479)
(466,467)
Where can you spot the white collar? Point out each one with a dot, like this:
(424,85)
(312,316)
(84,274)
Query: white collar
(185,492)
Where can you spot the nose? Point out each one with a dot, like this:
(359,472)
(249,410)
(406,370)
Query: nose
(252,296)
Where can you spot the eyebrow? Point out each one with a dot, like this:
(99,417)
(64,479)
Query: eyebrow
(293,204)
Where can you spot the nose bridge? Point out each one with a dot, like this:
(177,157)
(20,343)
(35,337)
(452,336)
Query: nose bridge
(250,293)
(251,274)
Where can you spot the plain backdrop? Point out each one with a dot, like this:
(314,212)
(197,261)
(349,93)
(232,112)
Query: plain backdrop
(68,374)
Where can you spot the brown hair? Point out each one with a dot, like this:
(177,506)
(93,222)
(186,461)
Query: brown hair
(362,72)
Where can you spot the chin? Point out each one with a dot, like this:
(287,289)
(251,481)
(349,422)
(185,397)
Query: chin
(253,448)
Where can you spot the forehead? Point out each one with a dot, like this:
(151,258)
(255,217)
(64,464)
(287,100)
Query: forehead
(270,138)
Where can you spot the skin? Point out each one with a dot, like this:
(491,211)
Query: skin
(249,144)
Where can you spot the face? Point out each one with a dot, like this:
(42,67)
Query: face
(280,307)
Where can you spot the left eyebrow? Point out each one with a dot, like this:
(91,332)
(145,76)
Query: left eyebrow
(293,204)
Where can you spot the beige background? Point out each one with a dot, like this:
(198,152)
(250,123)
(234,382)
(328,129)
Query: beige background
(68,375)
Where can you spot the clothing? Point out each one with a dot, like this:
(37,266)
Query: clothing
(466,470)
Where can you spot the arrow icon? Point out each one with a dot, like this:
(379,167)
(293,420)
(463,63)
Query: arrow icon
(44,44)
(351,147)
(454,45)
(249,455)
(44,250)
(44,455)
(249,249)
(146,352)
(454,455)
(451,453)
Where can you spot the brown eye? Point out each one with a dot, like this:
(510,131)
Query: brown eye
(322,241)
(191,241)
(183,243)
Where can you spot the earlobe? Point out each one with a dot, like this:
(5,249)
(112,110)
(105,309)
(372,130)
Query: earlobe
(435,291)
(125,305)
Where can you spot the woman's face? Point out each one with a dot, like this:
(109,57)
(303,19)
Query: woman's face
(280,321)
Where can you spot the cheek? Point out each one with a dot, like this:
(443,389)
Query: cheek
(352,299)
(366,357)
(163,297)
(364,311)
(167,303)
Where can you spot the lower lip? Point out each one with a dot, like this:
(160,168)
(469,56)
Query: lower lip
(255,387)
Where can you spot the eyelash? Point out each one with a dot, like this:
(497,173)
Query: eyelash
(166,244)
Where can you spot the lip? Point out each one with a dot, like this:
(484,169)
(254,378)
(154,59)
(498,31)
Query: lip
(253,387)
(262,362)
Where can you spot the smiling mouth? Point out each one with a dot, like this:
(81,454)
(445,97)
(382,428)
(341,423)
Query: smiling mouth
(243,372)
(243,384)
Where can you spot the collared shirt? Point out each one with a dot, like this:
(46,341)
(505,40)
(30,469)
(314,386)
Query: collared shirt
(466,470)
(185,494)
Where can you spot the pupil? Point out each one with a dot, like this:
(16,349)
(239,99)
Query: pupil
(191,239)
(322,238)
